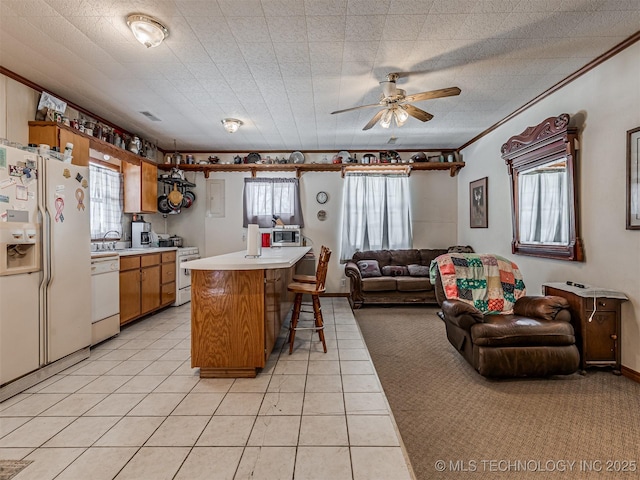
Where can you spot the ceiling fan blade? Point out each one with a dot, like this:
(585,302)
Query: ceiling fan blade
(415,112)
(374,120)
(356,108)
(444,92)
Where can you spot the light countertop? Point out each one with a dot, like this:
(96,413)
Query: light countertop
(142,251)
(271,258)
(130,251)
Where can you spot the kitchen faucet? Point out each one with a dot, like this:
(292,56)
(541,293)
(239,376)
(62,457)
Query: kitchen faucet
(113,244)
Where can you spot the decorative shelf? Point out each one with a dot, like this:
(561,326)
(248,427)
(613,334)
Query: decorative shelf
(254,168)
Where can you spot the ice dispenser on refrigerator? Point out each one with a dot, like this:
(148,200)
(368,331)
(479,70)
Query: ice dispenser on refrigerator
(19,248)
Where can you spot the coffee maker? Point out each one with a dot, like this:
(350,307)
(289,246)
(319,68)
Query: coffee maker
(140,234)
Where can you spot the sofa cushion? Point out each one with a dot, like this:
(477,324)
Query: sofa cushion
(413,284)
(429,254)
(404,257)
(418,270)
(379,284)
(395,270)
(369,268)
(382,256)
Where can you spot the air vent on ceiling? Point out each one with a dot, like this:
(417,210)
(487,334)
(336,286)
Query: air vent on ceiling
(151,116)
(392,140)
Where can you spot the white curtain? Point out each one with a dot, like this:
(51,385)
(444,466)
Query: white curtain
(376,213)
(106,193)
(544,208)
(265,198)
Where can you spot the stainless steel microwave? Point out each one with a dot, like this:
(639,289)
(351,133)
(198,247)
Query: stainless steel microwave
(286,237)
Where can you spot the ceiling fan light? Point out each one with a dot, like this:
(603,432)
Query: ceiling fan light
(401,116)
(387,118)
(147,30)
(231,125)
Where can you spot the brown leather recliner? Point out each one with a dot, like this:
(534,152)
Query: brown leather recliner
(537,340)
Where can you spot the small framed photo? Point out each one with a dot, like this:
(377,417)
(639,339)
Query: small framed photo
(478,198)
(633,179)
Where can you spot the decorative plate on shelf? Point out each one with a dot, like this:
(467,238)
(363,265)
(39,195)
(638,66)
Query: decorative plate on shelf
(253,158)
(345,156)
(296,157)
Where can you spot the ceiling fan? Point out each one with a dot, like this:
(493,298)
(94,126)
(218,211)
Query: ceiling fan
(397,104)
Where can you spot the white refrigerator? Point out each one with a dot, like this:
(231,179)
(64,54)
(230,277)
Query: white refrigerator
(45,268)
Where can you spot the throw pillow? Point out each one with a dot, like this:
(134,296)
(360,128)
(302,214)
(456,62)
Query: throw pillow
(418,270)
(395,270)
(369,268)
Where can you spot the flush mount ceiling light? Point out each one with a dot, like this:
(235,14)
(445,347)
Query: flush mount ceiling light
(231,125)
(147,30)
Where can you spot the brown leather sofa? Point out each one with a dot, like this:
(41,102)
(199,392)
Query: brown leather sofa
(392,287)
(537,340)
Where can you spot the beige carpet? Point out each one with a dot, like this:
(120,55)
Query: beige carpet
(487,429)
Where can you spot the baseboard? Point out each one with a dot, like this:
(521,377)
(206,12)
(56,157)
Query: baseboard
(629,373)
(23,383)
(346,295)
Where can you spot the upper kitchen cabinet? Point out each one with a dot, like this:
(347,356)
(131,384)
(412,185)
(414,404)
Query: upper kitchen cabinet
(140,187)
(57,135)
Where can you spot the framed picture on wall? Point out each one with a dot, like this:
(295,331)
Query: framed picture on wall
(478,208)
(633,179)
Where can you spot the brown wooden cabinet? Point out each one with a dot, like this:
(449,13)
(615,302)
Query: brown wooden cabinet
(130,288)
(58,135)
(168,278)
(236,316)
(596,321)
(147,283)
(140,187)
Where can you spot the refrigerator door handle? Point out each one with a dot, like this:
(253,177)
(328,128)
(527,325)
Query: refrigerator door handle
(44,283)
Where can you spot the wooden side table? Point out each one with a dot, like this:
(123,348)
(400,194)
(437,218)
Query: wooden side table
(595,316)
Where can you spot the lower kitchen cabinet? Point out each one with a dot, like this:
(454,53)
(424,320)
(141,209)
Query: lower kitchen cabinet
(130,288)
(147,283)
(168,278)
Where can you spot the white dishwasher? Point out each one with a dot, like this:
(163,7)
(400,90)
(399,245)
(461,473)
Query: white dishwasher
(105,297)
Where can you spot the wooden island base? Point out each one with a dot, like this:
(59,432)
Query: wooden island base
(211,372)
(237,314)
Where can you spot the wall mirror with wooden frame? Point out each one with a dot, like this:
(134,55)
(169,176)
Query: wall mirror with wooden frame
(544,194)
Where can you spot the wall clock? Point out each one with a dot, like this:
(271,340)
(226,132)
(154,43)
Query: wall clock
(322,197)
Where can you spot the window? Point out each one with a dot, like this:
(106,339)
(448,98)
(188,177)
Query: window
(544,209)
(265,198)
(376,213)
(106,192)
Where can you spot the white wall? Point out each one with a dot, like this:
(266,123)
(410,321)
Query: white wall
(433,195)
(609,98)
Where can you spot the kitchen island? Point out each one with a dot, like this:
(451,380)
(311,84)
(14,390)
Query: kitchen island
(238,305)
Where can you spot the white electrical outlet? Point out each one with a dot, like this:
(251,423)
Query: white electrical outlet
(343,282)
(244,237)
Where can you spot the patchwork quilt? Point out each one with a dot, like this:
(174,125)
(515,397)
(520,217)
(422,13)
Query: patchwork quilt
(490,283)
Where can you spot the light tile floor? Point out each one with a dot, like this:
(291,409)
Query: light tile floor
(137,410)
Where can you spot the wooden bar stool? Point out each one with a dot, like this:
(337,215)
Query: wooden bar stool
(313,289)
(309,278)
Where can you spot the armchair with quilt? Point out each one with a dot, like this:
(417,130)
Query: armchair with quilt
(499,330)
